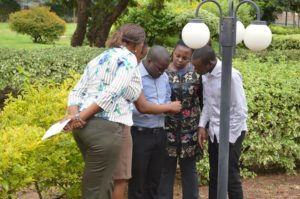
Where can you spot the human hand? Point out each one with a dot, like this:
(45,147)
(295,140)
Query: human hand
(75,122)
(202,136)
(175,107)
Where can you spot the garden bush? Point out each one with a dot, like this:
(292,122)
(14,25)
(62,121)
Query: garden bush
(39,23)
(44,65)
(160,25)
(286,42)
(273,96)
(26,160)
(284,30)
(272,87)
(271,56)
(7,7)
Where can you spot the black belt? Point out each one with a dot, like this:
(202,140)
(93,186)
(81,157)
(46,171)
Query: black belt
(150,130)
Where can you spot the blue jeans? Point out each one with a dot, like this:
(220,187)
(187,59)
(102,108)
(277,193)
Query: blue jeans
(189,178)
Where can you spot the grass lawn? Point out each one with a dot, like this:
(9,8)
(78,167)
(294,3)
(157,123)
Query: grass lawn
(10,39)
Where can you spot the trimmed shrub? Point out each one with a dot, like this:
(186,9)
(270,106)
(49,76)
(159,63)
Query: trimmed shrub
(7,7)
(283,30)
(272,87)
(286,42)
(26,160)
(273,96)
(39,23)
(43,65)
(272,56)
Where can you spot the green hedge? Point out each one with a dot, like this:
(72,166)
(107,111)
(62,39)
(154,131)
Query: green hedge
(286,42)
(50,64)
(272,86)
(273,96)
(272,56)
(53,166)
(283,30)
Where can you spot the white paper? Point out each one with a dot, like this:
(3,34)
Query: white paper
(55,129)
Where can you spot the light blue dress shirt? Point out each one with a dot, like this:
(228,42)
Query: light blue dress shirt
(156,91)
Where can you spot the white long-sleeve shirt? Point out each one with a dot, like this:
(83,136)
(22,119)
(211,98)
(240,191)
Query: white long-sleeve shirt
(211,101)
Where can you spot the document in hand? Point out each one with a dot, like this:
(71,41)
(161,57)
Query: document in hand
(55,129)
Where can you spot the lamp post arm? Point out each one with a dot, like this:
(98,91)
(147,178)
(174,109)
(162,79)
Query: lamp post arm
(230,8)
(220,18)
(206,1)
(258,15)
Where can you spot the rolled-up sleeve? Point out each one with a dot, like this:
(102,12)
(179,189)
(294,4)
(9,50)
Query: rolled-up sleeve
(134,90)
(76,95)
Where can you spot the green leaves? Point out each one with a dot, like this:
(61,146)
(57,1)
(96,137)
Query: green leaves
(272,86)
(39,23)
(42,65)
(25,159)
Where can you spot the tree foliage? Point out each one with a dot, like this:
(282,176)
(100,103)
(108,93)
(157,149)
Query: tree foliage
(39,23)
(270,8)
(95,19)
(7,7)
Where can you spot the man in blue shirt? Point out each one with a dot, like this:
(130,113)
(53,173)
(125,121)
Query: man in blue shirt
(148,134)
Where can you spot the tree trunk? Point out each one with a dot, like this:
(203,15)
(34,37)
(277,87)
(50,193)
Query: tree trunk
(294,19)
(298,20)
(99,33)
(74,15)
(82,18)
(286,17)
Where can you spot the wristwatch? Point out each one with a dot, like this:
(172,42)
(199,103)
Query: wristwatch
(77,116)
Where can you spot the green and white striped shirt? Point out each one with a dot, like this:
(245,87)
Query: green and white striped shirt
(112,81)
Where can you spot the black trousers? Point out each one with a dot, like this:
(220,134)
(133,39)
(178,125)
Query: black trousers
(147,162)
(235,190)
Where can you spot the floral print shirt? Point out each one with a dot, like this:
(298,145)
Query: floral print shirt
(182,127)
(106,81)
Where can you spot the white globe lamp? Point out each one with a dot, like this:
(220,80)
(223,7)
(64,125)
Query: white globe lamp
(258,36)
(240,32)
(195,34)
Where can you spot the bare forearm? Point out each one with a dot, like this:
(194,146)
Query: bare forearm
(89,112)
(73,110)
(143,106)
(149,108)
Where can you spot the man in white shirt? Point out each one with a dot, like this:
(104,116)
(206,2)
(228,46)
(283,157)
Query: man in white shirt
(210,67)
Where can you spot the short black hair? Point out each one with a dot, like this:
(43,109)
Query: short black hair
(157,53)
(180,43)
(206,54)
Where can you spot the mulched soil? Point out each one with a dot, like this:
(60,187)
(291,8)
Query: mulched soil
(271,186)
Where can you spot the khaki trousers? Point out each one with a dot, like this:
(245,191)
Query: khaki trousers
(100,143)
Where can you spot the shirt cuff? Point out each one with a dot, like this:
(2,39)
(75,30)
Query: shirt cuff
(202,123)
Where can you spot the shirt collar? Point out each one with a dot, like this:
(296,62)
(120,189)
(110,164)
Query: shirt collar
(143,70)
(217,69)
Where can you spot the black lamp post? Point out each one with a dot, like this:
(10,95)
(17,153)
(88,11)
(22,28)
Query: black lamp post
(257,36)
